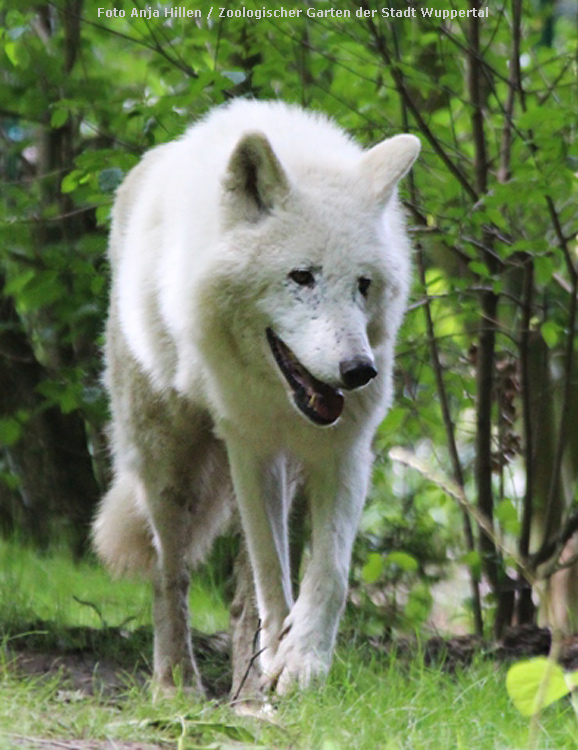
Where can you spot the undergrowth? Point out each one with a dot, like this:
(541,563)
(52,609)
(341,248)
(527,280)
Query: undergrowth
(370,701)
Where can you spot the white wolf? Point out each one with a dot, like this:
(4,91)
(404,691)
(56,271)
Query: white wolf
(260,268)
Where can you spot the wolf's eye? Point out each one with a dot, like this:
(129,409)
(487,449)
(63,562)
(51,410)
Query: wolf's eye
(363,285)
(302,277)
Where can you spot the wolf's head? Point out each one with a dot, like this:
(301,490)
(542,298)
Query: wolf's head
(320,263)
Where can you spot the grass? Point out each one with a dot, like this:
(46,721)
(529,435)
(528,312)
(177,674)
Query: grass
(370,701)
(51,587)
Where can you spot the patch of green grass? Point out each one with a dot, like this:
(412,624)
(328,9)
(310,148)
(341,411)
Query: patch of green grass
(394,705)
(52,587)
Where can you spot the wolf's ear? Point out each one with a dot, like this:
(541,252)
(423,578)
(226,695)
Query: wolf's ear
(385,164)
(255,181)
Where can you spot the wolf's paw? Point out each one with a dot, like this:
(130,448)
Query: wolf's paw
(168,691)
(296,664)
(170,682)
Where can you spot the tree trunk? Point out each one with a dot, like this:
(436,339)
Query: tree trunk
(51,458)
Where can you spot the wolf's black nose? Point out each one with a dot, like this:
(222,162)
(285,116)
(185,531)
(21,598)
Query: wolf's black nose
(356,372)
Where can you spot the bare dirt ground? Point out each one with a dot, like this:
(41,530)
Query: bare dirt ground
(83,667)
(108,662)
(82,673)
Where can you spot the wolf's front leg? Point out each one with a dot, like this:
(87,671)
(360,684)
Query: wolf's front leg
(261,489)
(337,494)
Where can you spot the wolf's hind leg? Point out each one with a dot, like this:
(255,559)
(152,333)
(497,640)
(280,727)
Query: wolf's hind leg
(174,662)
(246,687)
(144,527)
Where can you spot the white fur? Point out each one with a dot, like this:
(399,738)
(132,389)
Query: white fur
(206,232)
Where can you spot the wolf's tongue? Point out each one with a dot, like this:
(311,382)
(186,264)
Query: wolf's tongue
(320,403)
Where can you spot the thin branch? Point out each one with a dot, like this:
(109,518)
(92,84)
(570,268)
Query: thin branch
(492,72)
(474,79)
(527,309)
(453,490)
(250,666)
(553,548)
(156,47)
(562,240)
(514,86)
(558,566)
(553,87)
(177,59)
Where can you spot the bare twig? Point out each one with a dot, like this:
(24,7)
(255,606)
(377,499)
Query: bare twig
(477,101)
(250,665)
(552,548)
(514,86)
(527,308)
(156,47)
(458,494)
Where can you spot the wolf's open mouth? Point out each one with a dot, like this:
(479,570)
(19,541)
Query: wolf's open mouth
(320,403)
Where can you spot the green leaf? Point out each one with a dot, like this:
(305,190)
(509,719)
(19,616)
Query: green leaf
(507,515)
(17,53)
(19,282)
(373,568)
(550,333)
(544,269)
(535,684)
(110,179)
(419,604)
(474,561)
(12,481)
(479,268)
(102,215)
(58,118)
(43,289)
(97,284)
(10,431)
(393,420)
(10,51)
(234,732)
(70,182)
(403,560)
